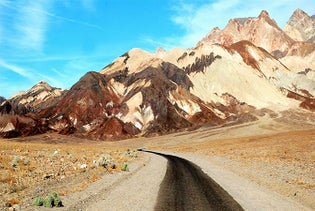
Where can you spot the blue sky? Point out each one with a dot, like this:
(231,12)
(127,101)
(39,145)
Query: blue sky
(60,40)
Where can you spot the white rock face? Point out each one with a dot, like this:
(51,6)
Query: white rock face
(135,60)
(9,127)
(187,105)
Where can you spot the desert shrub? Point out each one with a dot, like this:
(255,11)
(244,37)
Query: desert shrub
(26,162)
(102,162)
(15,161)
(48,201)
(106,162)
(57,199)
(125,167)
(39,201)
(51,200)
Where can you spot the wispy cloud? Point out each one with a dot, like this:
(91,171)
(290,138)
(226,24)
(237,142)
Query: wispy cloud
(30,26)
(198,19)
(74,21)
(30,23)
(19,70)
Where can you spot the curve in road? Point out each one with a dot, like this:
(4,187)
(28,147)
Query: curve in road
(186,187)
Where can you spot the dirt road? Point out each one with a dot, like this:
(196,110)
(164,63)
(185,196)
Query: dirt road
(187,187)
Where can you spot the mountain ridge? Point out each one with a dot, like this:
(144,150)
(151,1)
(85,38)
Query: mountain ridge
(247,66)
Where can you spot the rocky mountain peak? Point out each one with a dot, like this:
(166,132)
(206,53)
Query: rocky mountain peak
(234,24)
(298,13)
(41,85)
(263,14)
(300,27)
(242,21)
(261,31)
(160,49)
(215,29)
(160,52)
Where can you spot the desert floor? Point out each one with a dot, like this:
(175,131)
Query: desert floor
(272,159)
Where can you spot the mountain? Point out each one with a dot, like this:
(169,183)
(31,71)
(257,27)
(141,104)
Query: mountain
(293,45)
(39,97)
(89,108)
(20,115)
(301,55)
(261,31)
(251,64)
(300,27)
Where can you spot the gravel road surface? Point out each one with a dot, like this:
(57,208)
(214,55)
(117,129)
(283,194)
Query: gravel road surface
(186,187)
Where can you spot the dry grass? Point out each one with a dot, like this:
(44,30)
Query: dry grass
(28,169)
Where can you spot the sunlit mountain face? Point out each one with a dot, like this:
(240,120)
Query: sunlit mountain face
(251,64)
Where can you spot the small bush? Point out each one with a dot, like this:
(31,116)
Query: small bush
(51,200)
(15,161)
(125,167)
(26,162)
(102,162)
(57,199)
(48,201)
(39,201)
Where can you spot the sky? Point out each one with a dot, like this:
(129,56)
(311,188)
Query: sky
(58,41)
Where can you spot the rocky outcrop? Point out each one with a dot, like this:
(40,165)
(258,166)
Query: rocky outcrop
(201,63)
(5,107)
(17,125)
(2,99)
(307,102)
